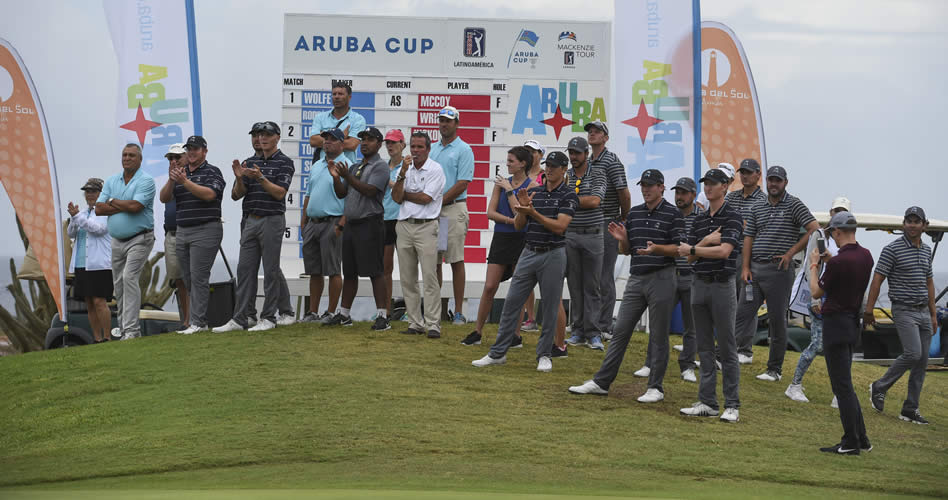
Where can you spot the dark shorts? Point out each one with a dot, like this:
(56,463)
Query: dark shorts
(92,284)
(390,235)
(362,248)
(505,250)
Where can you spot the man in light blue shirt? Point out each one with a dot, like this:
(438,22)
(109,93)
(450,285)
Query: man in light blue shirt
(457,160)
(341,117)
(127,200)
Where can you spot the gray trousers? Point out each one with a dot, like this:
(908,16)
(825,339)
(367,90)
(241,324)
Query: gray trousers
(583,272)
(128,261)
(773,285)
(714,308)
(686,359)
(915,333)
(655,292)
(261,238)
(607,282)
(197,247)
(546,268)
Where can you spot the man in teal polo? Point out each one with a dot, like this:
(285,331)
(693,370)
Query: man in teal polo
(342,117)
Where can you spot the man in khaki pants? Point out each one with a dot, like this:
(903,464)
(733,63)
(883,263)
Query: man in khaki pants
(419,189)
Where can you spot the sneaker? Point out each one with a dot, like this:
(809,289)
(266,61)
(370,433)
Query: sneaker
(263,325)
(699,409)
(588,387)
(839,450)
(487,361)
(529,326)
(286,320)
(795,392)
(381,324)
(517,342)
(651,396)
(559,352)
(576,340)
(545,364)
(769,376)
(434,334)
(192,329)
(310,317)
(412,331)
(251,322)
(867,446)
(595,344)
(730,415)
(913,416)
(678,347)
(642,372)
(472,338)
(834,403)
(230,326)
(689,375)
(745,360)
(333,320)
(459,319)
(607,336)
(876,399)
(345,320)
(116,333)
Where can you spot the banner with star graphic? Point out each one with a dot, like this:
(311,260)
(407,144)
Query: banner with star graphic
(159,100)
(658,89)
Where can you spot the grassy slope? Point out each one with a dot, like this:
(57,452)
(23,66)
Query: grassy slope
(302,407)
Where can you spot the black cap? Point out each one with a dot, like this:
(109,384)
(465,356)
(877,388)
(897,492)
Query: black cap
(267,127)
(916,211)
(371,132)
(651,177)
(556,159)
(577,144)
(777,171)
(598,124)
(749,164)
(686,183)
(334,132)
(716,175)
(195,141)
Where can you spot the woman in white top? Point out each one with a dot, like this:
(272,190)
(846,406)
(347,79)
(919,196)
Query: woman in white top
(92,260)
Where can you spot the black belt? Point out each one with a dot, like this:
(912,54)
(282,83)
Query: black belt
(586,230)
(320,220)
(540,249)
(448,204)
(909,306)
(412,220)
(146,231)
(365,219)
(257,216)
(683,272)
(714,278)
(765,261)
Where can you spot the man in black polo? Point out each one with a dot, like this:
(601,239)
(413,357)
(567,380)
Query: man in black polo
(771,239)
(651,233)
(545,212)
(197,189)
(907,264)
(712,246)
(741,200)
(584,246)
(363,236)
(685,192)
(262,181)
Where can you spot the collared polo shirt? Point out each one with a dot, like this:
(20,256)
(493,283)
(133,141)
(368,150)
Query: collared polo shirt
(457,161)
(732,227)
(141,188)
(428,179)
(591,183)
(609,163)
(776,227)
(391,208)
(662,226)
(192,210)
(372,170)
(279,170)
(322,197)
(325,121)
(742,203)
(845,279)
(682,262)
(550,203)
(907,268)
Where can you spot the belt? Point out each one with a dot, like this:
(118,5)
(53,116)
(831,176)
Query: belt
(586,230)
(256,216)
(683,272)
(765,261)
(172,232)
(365,219)
(320,220)
(146,231)
(540,249)
(448,204)
(412,220)
(714,278)
(910,306)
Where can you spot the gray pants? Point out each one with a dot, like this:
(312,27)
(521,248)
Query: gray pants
(915,333)
(607,282)
(584,269)
(686,359)
(547,268)
(713,306)
(128,261)
(261,238)
(197,247)
(655,292)
(773,285)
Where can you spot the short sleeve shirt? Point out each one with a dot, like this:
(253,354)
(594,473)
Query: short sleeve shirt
(192,210)
(776,228)
(682,262)
(457,161)
(391,208)
(550,204)
(325,121)
(374,171)
(140,188)
(279,170)
(428,179)
(845,279)
(322,197)
(616,180)
(663,225)
(729,220)
(591,183)
(907,268)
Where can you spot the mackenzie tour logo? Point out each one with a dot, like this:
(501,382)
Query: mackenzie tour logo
(568,42)
(475,42)
(567,35)
(521,55)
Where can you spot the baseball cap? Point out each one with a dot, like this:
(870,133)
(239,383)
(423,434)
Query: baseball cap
(651,177)
(93,184)
(334,132)
(777,171)
(727,168)
(450,112)
(750,165)
(842,220)
(577,144)
(534,145)
(716,175)
(686,183)
(195,141)
(267,127)
(395,135)
(370,132)
(841,202)
(176,149)
(556,159)
(598,124)
(916,211)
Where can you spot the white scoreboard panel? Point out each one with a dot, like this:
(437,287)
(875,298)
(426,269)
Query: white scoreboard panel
(511,80)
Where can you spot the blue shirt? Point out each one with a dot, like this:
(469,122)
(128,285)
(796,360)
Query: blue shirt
(80,260)
(322,197)
(326,121)
(170,216)
(391,208)
(457,162)
(503,207)
(140,188)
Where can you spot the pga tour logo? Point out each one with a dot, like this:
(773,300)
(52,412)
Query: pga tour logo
(475,42)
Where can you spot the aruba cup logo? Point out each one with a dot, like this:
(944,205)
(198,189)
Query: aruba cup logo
(536,103)
(6,85)
(524,55)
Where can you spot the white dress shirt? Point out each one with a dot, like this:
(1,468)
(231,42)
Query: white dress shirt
(428,179)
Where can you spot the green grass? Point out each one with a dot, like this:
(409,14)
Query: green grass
(334,412)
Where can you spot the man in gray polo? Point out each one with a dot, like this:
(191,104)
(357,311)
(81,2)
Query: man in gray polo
(584,246)
(741,200)
(685,192)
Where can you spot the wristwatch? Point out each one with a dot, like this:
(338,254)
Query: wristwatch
(110,202)
(400,178)
(510,192)
(693,251)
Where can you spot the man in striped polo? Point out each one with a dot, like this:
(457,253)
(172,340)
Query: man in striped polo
(771,239)
(741,200)
(685,192)
(584,246)
(651,233)
(907,264)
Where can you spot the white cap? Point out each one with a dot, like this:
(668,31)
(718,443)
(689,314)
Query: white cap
(176,149)
(450,112)
(534,145)
(841,202)
(728,169)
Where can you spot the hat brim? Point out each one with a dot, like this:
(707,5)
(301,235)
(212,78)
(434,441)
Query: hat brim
(575,150)
(554,164)
(690,190)
(596,126)
(649,182)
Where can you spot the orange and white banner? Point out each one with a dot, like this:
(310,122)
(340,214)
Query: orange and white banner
(27,169)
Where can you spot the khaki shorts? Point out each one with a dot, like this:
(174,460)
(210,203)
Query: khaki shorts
(457,231)
(171,257)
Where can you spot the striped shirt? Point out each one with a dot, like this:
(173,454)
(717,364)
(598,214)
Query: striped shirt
(732,225)
(907,268)
(277,169)
(615,181)
(742,204)
(775,228)
(192,210)
(684,267)
(561,200)
(592,183)
(662,226)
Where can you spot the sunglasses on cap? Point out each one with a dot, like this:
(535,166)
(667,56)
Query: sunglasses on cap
(173,157)
(448,112)
(265,127)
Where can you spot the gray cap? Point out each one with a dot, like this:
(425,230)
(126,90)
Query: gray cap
(598,124)
(777,171)
(716,175)
(843,220)
(916,211)
(750,165)
(556,159)
(651,177)
(335,133)
(577,144)
(686,183)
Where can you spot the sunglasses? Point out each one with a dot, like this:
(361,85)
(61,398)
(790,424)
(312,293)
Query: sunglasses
(450,113)
(173,157)
(267,127)
(578,182)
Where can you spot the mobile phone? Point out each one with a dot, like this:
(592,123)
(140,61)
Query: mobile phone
(821,245)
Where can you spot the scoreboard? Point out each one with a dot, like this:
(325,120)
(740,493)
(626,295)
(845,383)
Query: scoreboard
(511,80)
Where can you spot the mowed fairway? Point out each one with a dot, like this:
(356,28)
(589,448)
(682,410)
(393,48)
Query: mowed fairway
(310,412)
